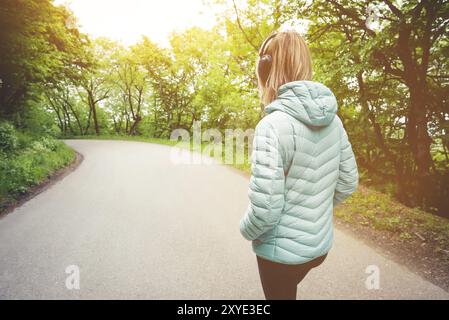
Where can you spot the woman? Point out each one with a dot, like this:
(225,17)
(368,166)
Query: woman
(302,167)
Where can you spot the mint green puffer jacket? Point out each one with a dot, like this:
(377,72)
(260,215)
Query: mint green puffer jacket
(302,166)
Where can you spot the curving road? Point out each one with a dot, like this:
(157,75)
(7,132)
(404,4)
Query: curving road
(138,225)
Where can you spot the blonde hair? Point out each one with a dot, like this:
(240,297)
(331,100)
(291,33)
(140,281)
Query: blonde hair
(291,61)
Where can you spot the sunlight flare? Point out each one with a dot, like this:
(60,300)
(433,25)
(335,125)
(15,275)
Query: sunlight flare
(128,20)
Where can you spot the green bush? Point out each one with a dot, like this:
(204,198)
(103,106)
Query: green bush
(8,137)
(33,161)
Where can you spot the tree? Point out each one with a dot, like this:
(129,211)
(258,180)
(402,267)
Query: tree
(132,81)
(402,55)
(94,81)
(38,45)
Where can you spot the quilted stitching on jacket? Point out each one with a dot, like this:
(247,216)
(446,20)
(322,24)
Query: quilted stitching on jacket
(302,166)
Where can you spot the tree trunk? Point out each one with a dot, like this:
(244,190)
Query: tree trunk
(420,143)
(94,113)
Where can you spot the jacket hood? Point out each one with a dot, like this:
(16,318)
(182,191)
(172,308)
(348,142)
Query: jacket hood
(310,102)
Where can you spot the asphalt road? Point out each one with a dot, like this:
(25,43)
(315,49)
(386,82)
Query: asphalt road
(138,225)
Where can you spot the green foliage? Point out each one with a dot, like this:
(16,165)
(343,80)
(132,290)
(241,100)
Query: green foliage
(34,162)
(8,137)
(38,47)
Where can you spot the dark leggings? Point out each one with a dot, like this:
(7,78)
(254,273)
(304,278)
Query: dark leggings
(280,281)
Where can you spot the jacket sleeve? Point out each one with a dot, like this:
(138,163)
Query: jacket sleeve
(266,189)
(348,174)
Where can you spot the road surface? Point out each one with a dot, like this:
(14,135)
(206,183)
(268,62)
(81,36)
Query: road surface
(136,224)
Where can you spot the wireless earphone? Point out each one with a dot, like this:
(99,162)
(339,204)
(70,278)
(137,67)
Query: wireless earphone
(265,61)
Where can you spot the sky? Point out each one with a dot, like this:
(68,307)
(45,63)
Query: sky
(127,20)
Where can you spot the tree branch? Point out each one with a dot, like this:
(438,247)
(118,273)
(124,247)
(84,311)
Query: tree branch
(241,27)
(394,9)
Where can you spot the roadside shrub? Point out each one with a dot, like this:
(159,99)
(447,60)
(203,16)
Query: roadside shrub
(49,143)
(8,137)
(16,175)
(33,161)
